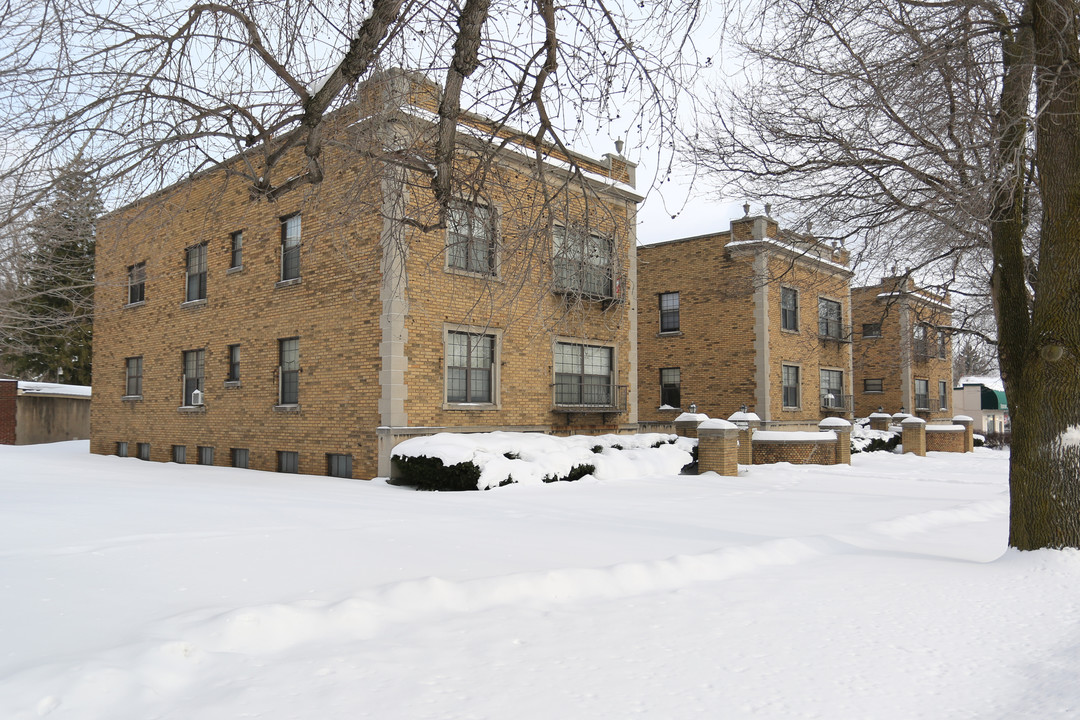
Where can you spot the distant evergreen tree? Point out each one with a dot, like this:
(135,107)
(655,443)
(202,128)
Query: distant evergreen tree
(53,304)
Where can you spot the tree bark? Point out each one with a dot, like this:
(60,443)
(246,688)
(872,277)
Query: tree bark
(1043,385)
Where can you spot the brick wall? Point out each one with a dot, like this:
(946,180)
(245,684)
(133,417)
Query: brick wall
(9,390)
(798,452)
(945,440)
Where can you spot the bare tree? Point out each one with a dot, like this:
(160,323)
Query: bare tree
(907,127)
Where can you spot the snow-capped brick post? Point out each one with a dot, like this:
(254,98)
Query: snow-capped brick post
(968,424)
(9,391)
(914,435)
(842,428)
(747,422)
(718,447)
(686,425)
(880,421)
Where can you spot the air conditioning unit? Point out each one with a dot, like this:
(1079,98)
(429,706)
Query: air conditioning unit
(196,397)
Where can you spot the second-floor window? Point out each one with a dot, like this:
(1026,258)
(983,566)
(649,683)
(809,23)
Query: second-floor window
(941,343)
(829,319)
(290,247)
(137,283)
(922,394)
(133,386)
(193,368)
(943,395)
(871,330)
(233,375)
(669,312)
(789,309)
(470,361)
(919,342)
(470,238)
(289,371)
(196,273)
(583,262)
(670,387)
(236,249)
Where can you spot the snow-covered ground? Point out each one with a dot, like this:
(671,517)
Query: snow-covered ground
(881,590)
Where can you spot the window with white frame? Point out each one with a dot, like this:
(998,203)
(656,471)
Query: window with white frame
(289,371)
(470,367)
(195,275)
(790,385)
(584,375)
(830,317)
(583,262)
(669,312)
(193,367)
(290,247)
(470,238)
(789,309)
(922,394)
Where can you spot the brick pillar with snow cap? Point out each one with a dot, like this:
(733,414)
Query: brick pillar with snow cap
(842,428)
(880,421)
(747,422)
(718,447)
(686,425)
(969,431)
(914,439)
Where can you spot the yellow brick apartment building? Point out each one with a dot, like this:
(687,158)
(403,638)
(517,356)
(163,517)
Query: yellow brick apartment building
(903,349)
(752,316)
(312,332)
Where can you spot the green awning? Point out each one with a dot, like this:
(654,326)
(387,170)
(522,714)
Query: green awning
(993,399)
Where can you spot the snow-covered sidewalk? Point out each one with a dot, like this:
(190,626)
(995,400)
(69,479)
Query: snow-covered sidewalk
(881,590)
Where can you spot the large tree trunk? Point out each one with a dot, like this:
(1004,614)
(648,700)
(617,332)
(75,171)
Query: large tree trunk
(1043,381)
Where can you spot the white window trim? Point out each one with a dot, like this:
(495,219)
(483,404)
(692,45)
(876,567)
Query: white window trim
(614,345)
(798,310)
(496,366)
(495,211)
(802,379)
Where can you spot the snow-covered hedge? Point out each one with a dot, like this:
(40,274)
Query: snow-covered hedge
(864,439)
(481,461)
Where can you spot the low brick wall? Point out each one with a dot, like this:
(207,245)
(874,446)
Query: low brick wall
(945,438)
(798,448)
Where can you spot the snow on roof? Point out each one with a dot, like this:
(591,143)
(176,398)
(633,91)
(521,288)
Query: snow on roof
(27,387)
(993,382)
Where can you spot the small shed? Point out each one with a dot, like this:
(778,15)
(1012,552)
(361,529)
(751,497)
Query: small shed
(39,412)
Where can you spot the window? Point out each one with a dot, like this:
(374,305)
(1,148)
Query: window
(290,247)
(583,375)
(790,383)
(829,317)
(239,457)
(583,262)
(233,374)
(288,462)
(919,345)
(670,387)
(789,309)
(142,451)
(121,449)
(193,369)
(236,248)
(941,346)
(922,394)
(871,330)
(136,283)
(339,465)
(289,371)
(669,312)
(832,389)
(179,454)
(470,238)
(470,360)
(873,385)
(133,386)
(206,455)
(196,273)
(943,395)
